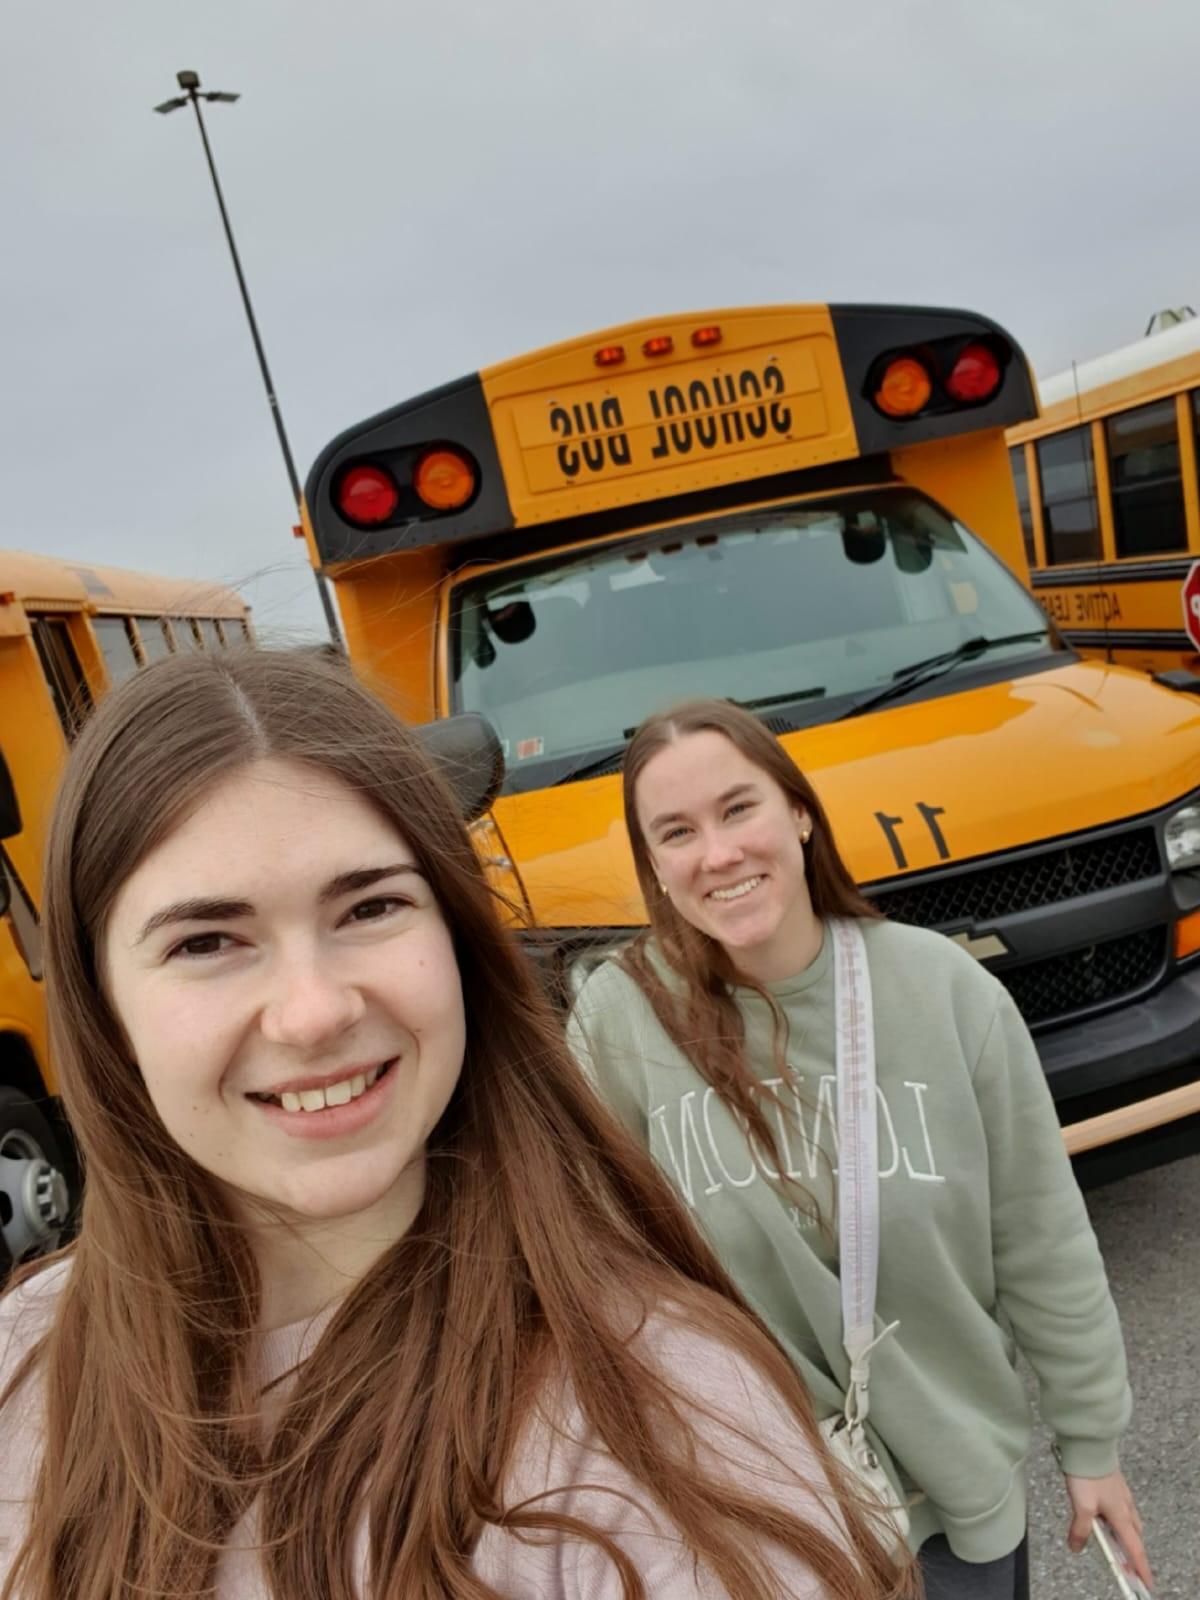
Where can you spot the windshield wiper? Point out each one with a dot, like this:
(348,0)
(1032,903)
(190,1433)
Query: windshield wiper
(817,692)
(919,672)
(588,769)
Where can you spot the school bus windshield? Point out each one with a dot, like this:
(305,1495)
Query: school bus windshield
(809,607)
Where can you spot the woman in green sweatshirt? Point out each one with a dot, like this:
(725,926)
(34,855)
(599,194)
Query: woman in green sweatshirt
(713,1040)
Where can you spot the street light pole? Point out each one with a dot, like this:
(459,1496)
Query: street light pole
(189,82)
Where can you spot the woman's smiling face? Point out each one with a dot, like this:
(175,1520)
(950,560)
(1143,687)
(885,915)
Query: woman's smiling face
(289,991)
(725,842)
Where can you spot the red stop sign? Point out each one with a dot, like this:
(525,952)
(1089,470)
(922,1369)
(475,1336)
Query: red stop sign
(1191,604)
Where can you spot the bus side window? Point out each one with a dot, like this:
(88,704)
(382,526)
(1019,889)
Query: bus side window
(1069,513)
(152,636)
(187,634)
(63,674)
(1020,474)
(1147,480)
(209,633)
(116,646)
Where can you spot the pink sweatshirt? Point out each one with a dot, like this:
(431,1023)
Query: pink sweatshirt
(740,1418)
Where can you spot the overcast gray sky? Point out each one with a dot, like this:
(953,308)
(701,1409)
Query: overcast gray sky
(418,190)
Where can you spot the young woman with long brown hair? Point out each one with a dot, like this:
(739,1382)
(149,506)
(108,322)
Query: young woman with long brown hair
(371,1298)
(713,1037)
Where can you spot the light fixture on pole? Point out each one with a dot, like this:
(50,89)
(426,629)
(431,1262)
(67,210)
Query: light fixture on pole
(192,94)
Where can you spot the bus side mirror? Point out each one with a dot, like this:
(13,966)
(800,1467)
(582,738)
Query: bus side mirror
(467,752)
(10,811)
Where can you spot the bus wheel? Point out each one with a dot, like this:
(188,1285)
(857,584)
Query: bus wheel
(35,1199)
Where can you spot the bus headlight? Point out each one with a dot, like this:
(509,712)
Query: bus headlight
(1182,839)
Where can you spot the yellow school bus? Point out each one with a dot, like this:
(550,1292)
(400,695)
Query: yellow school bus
(67,631)
(802,508)
(1110,510)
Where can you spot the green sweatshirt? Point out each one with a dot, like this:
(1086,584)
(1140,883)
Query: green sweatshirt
(985,1245)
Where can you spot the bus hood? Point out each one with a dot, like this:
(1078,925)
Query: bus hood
(908,787)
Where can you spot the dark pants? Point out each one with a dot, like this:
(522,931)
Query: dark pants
(948,1578)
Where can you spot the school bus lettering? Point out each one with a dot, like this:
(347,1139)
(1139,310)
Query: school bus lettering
(891,831)
(1099,606)
(1096,605)
(715,413)
(596,448)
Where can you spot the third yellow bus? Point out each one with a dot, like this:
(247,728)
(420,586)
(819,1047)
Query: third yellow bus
(1107,485)
(68,631)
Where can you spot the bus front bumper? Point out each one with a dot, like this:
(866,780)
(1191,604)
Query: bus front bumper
(1131,1075)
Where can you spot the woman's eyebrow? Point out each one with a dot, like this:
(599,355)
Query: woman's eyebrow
(195,910)
(681,816)
(662,820)
(216,909)
(365,878)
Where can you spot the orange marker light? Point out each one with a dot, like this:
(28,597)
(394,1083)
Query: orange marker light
(611,355)
(1187,935)
(904,388)
(703,337)
(444,480)
(661,345)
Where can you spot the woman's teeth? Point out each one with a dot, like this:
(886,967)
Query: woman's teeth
(737,891)
(333,1094)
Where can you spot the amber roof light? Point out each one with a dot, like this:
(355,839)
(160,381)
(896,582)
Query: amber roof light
(905,387)
(444,479)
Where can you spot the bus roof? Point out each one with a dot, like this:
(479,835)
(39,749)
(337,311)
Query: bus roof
(671,411)
(44,581)
(1144,355)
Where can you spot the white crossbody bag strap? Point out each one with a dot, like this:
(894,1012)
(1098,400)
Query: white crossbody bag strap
(858,1164)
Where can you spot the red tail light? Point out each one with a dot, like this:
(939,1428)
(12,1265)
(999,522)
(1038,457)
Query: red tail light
(660,345)
(975,375)
(611,355)
(367,496)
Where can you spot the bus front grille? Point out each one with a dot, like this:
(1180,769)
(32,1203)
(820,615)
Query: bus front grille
(1041,878)
(1062,986)
(1054,977)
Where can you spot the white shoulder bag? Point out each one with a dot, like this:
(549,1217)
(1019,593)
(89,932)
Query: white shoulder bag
(858,1222)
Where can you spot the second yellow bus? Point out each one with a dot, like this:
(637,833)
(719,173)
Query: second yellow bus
(1107,484)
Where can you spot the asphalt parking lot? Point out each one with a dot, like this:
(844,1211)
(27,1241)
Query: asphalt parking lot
(1149,1231)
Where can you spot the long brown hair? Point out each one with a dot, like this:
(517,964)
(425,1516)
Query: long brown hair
(541,1226)
(699,1012)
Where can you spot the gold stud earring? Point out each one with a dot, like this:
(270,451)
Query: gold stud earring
(806,836)
(662,888)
